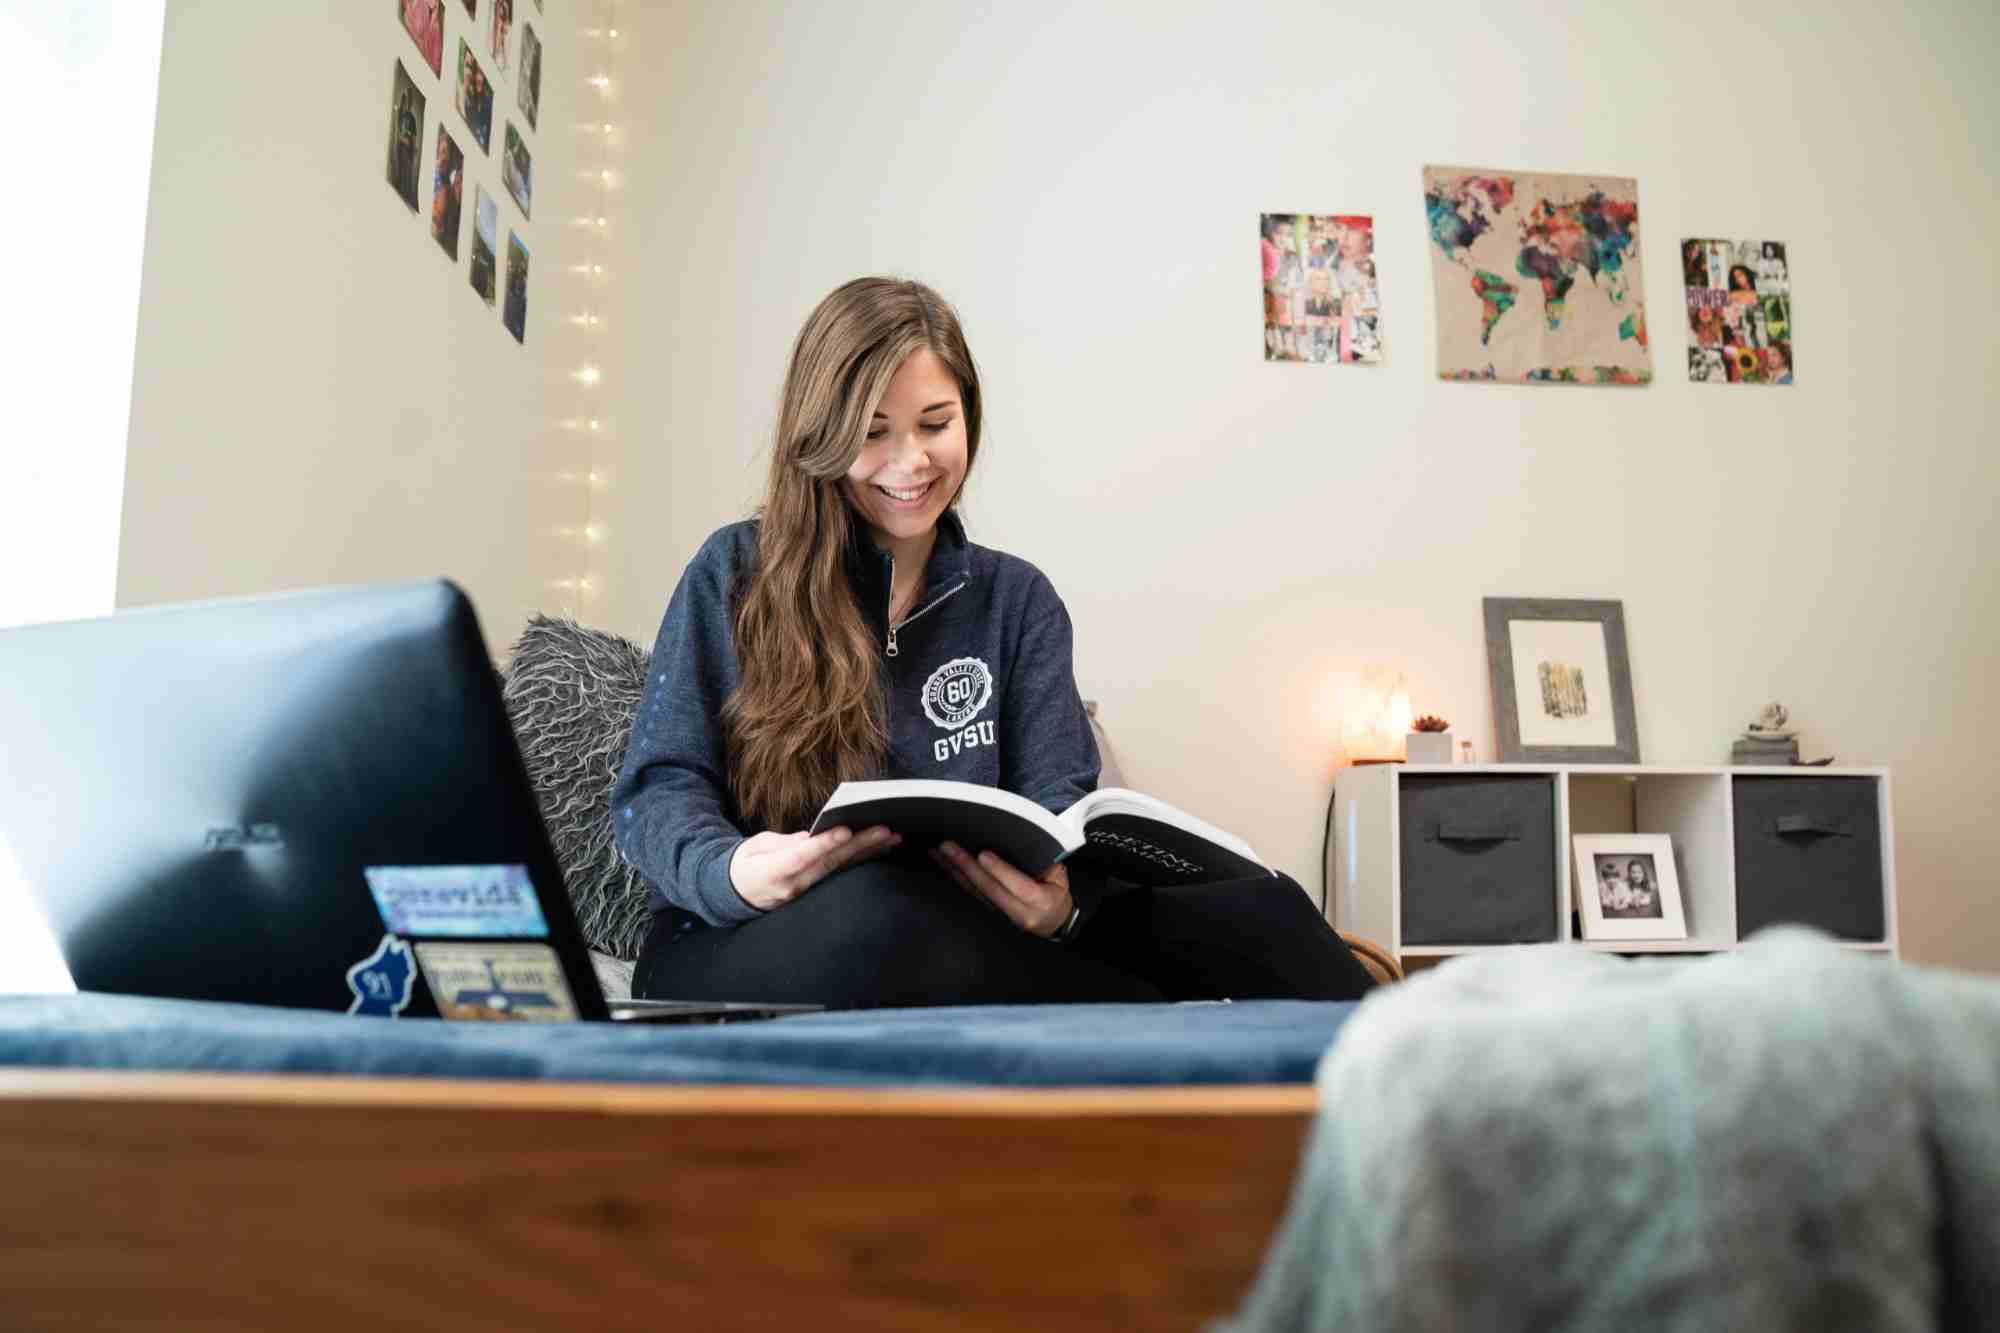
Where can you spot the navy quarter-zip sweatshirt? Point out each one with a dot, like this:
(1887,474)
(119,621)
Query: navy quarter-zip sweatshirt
(980,688)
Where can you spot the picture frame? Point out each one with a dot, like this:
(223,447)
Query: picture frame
(1627,887)
(1562,681)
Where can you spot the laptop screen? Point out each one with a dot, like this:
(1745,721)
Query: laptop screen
(311,799)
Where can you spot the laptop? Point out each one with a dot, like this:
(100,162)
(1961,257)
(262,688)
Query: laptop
(312,799)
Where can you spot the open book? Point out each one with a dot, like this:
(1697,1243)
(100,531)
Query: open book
(1118,833)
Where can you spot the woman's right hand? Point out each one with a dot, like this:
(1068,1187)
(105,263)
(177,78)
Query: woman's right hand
(770,869)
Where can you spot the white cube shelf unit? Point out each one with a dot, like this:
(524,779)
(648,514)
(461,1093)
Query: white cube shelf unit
(1697,808)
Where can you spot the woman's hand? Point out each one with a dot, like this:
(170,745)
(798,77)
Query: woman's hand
(1038,906)
(770,869)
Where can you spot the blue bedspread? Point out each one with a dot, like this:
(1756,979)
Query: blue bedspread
(1264,1041)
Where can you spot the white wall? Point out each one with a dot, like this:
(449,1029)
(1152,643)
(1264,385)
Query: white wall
(1235,539)
(79,82)
(319,395)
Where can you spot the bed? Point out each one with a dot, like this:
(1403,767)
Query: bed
(180,1164)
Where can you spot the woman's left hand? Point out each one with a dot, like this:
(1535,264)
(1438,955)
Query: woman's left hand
(1038,906)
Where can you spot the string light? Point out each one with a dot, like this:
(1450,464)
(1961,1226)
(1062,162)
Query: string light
(588,374)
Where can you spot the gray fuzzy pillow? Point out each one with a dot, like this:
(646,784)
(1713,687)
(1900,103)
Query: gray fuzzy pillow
(571,693)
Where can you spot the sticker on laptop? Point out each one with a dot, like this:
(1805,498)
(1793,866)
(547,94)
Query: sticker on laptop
(381,981)
(517,982)
(465,902)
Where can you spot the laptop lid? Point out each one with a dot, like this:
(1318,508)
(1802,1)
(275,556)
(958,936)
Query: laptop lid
(312,799)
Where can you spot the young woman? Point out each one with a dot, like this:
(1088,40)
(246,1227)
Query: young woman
(851,630)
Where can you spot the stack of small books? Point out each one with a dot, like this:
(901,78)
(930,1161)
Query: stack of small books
(1780,750)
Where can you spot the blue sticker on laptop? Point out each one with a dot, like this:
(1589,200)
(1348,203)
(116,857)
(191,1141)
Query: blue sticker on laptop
(462,902)
(381,981)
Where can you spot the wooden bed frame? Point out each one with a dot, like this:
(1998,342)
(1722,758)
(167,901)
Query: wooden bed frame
(261,1201)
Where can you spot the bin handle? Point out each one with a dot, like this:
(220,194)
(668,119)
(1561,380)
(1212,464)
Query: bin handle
(1790,825)
(1478,833)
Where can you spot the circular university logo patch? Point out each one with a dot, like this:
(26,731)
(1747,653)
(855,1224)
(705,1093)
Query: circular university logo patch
(957,691)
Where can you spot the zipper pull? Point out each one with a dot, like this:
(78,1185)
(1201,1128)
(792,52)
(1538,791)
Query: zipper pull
(889,604)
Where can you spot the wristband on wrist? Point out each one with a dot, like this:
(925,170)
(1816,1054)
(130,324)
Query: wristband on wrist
(1062,933)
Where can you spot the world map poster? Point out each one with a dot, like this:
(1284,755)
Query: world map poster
(1537,276)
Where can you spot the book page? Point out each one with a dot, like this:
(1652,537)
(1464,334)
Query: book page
(1123,801)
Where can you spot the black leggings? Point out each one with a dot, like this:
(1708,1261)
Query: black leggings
(890,933)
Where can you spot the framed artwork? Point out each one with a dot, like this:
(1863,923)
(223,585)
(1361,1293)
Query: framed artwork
(1627,887)
(1562,681)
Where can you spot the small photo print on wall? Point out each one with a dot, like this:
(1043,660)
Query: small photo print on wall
(475,97)
(528,91)
(1320,302)
(514,313)
(406,136)
(1739,304)
(485,226)
(447,194)
(517,169)
(424,21)
(498,31)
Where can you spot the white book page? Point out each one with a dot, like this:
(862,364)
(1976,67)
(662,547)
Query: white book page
(1123,801)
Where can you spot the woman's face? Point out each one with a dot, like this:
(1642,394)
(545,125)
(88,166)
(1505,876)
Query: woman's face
(913,461)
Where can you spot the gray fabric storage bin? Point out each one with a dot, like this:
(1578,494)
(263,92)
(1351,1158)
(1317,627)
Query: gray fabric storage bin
(1809,850)
(1479,859)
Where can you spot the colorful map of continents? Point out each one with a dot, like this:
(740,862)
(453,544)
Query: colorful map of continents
(1538,277)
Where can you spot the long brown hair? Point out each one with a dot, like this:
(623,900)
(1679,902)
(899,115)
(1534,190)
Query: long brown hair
(807,713)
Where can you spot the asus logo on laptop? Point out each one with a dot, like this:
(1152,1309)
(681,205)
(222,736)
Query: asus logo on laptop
(251,835)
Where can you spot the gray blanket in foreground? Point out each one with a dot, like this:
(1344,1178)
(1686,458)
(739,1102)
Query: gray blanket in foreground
(1788,1137)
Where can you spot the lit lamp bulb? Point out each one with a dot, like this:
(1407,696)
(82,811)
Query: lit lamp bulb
(589,375)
